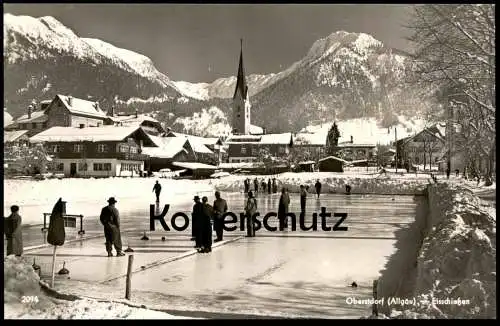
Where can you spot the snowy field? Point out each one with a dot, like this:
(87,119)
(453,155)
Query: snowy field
(88,196)
(24,299)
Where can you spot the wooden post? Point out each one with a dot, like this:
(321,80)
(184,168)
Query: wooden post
(53,266)
(375,296)
(129,276)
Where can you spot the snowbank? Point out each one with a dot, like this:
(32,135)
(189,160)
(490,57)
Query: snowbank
(335,183)
(24,299)
(87,196)
(456,261)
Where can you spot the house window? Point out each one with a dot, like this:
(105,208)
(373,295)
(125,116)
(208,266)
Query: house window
(44,125)
(60,167)
(33,125)
(107,166)
(82,167)
(56,148)
(102,148)
(77,148)
(133,149)
(243,150)
(123,148)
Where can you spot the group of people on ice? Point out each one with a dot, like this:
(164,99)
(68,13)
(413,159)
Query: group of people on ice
(270,186)
(202,216)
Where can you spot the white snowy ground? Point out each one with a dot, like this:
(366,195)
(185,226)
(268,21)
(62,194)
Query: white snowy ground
(88,196)
(24,299)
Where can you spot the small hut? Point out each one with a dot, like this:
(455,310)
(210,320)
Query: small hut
(331,164)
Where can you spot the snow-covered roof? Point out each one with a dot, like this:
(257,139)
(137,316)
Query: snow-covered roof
(131,118)
(356,145)
(267,139)
(333,158)
(11,136)
(79,106)
(199,144)
(168,147)
(36,116)
(195,165)
(306,162)
(203,140)
(256,130)
(93,134)
(315,139)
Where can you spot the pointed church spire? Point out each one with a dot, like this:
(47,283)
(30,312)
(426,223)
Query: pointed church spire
(241,83)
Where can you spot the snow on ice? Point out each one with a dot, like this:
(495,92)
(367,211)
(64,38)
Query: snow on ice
(24,299)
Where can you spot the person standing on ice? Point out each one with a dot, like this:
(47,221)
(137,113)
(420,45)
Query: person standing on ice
(110,219)
(269,186)
(283,207)
(303,198)
(247,185)
(318,187)
(275,186)
(157,190)
(256,185)
(250,210)
(263,185)
(13,232)
(206,226)
(220,207)
(196,217)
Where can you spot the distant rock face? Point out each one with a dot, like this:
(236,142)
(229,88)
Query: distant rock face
(343,76)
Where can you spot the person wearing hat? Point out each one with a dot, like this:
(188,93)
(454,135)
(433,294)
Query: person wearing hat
(196,217)
(206,226)
(110,219)
(220,207)
(13,232)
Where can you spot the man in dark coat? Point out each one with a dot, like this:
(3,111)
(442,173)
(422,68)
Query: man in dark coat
(157,190)
(220,207)
(197,216)
(303,198)
(283,207)
(318,187)
(110,219)
(256,185)
(275,186)
(247,185)
(250,210)
(206,226)
(13,232)
(263,185)
(269,186)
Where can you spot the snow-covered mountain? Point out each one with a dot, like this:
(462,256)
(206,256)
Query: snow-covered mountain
(343,76)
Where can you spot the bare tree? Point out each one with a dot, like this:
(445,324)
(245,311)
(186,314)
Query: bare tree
(455,58)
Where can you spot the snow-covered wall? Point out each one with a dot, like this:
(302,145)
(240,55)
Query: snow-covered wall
(457,260)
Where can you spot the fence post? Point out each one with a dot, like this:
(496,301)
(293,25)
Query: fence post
(129,276)
(375,296)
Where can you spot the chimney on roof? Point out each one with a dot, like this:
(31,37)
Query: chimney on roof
(352,141)
(70,100)
(136,113)
(82,125)
(30,109)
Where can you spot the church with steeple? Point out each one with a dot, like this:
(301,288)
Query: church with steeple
(246,139)
(241,106)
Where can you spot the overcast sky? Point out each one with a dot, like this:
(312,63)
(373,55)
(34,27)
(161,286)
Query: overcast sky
(200,43)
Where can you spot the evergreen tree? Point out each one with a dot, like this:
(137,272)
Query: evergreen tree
(332,139)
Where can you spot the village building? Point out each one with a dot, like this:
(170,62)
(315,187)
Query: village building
(15,138)
(207,150)
(148,124)
(350,150)
(105,151)
(313,144)
(167,151)
(424,149)
(62,111)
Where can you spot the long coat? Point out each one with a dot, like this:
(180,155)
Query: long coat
(13,233)
(283,206)
(206,225)
(197,216)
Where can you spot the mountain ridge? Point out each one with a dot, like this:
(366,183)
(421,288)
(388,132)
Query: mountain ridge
(338,73)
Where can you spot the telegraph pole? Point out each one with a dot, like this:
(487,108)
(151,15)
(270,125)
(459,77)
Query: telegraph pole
(396,145)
